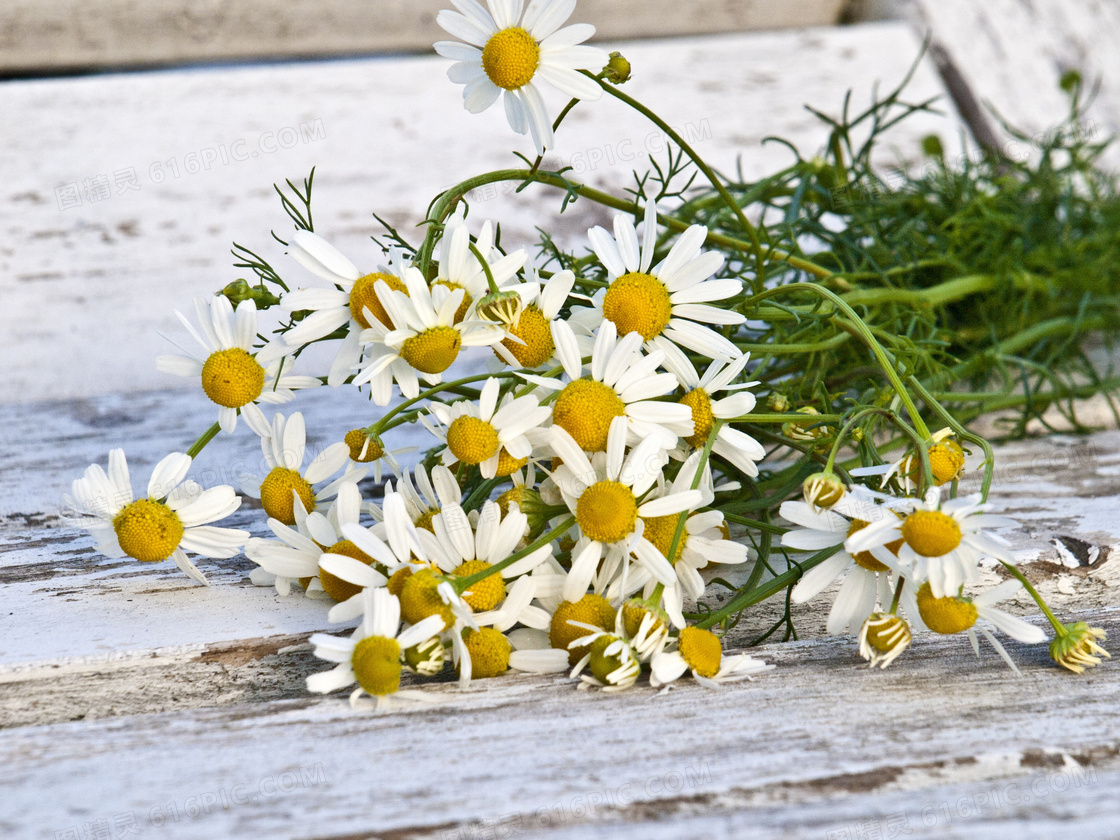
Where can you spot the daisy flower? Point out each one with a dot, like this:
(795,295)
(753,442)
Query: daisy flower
(942,542)
(736,447)
(622,383)
(350,305)
(701,652)
(530,343)
(371,657)
(285,487)
(232,376)
(424,339)
(511,53)
(479,434)
(954,614)
(173,519)
(667,304)
(605,495)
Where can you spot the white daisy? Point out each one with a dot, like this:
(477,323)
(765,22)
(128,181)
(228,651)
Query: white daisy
(508,52)
(173,519)
(479,434)
(668,304)
(286,487)
(622,383)
(701,652)
(231,375)
(736,447)
(424,339)
(371,657)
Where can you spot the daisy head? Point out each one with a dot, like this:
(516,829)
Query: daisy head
(173,519)
(701,652)
(668,304)
(509,54)
(371,657)
(232,375)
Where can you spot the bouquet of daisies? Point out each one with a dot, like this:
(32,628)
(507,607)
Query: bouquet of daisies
(608,464)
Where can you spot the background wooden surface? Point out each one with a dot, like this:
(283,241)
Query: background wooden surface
(134,703)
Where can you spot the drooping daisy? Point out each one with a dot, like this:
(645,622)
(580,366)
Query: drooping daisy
(736,447)
(348,306)
(459,267)
(942,542)
(478,434)
(286,487)
(232,376)
(667,304)
(530,343)
(173,519)
(371,657)
(424,339)
(622,383)
(702,652)
(510,53)
(955,614)
(605,495)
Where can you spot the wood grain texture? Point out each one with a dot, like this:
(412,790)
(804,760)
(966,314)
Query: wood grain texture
(37,35)
(86,289)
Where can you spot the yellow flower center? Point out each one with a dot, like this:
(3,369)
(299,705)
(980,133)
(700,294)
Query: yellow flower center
(471,440)
(601,665)
(420,599)
(461,312)
(489,652)
(946,615)
(886,632)
(232,378)
(486,593)
(584,409)
(701,405)
(701,650)
(148,530)
(510,58)
(363,448)
(931,533)
(507,464)
(339,589)
(534,331)
(433,350)
(865,558)
(276,494)
(659,530)
(607,511)
(363,295)
(377,665)
(590,609)
(638,303)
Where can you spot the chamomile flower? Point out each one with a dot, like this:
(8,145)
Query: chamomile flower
(350,305)
(530,343)
(622,383)
(459,267)
(424,340)
(736,447)
(371,657)
(605,494)
(955,614)
(287,484)
(942,542)
(509,54)
(173,519)
(232,376)
(477,434)
(701,652)
(667,304)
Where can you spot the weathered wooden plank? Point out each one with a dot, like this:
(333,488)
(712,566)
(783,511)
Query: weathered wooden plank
(67,34)
(1010,54)
(87,286)
(816,746)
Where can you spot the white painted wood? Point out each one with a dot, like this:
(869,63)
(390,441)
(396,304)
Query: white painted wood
(86,289)
(52,34)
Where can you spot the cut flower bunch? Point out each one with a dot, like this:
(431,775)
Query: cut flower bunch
(616,432)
